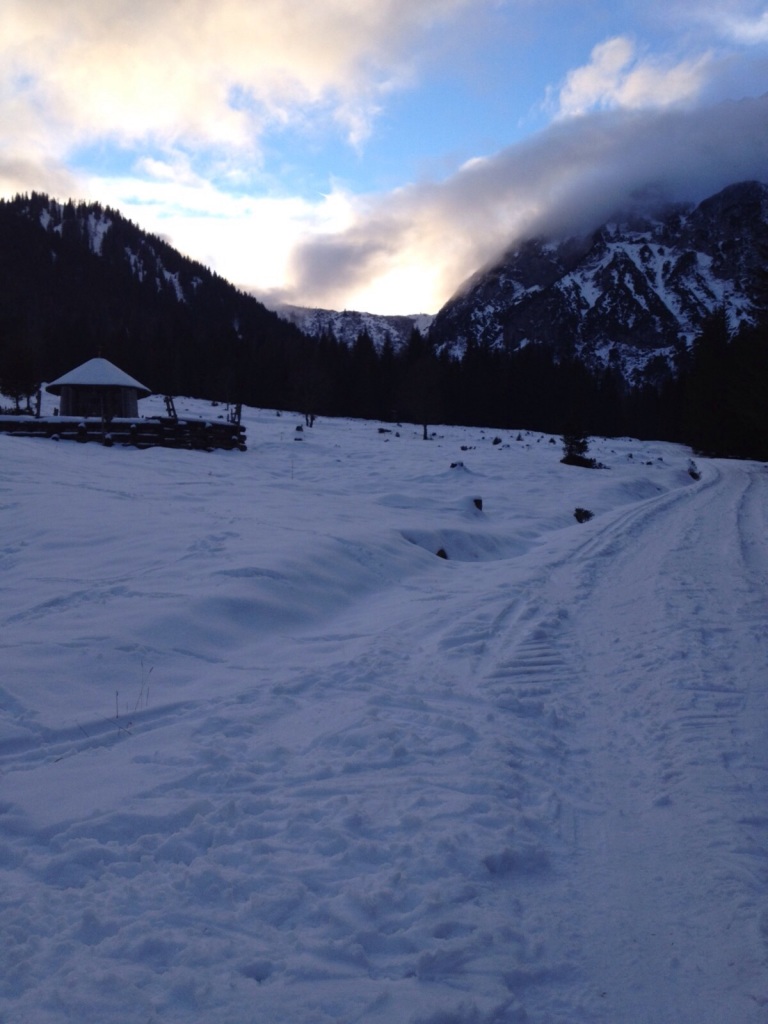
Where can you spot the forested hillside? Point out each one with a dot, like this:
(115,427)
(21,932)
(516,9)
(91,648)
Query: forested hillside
(80,280)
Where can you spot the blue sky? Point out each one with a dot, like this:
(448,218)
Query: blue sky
(372,154)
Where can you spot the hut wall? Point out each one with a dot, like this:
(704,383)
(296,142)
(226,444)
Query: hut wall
(107,402)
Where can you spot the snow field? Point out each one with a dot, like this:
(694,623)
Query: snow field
(265,756)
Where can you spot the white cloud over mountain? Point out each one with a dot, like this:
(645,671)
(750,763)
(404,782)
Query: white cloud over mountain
(568,178)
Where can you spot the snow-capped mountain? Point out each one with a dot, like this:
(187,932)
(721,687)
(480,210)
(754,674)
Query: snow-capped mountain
(348,325)
(630,291)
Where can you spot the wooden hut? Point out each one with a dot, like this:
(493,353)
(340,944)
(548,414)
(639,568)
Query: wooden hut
(98,388)
(99,402)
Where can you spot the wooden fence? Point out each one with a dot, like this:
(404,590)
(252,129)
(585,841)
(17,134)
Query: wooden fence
(155,431)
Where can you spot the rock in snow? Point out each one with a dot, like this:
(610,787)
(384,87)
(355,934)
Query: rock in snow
(266,757)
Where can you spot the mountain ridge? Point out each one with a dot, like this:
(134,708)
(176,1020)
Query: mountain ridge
(347,325)
(631,293)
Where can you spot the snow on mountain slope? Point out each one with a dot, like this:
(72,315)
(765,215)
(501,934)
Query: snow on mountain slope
(265,756)
(625,294)
(346,325)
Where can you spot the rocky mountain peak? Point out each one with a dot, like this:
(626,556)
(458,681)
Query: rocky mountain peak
(628,292)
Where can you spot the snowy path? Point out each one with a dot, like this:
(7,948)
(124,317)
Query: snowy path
(350,781)
(676,706)
(643,659)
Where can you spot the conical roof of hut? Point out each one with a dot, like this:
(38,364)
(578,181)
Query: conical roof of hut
(98,373)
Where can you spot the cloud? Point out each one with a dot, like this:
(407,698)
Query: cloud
(176,99)
(193,74)
(244,238)
(743,26)
(751,31)
(617,77)
(568,178)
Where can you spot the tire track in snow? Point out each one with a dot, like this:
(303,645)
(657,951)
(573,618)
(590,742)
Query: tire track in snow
(527,677)
(609,723)
(667,770)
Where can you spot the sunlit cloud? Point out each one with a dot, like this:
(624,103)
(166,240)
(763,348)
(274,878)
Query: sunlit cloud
(616,76)
(244,238)
(199,74)
(569,178)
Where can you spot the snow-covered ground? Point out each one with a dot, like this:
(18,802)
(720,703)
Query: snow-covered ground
(265,757)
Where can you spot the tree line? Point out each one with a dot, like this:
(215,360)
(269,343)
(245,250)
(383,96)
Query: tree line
(715,402)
